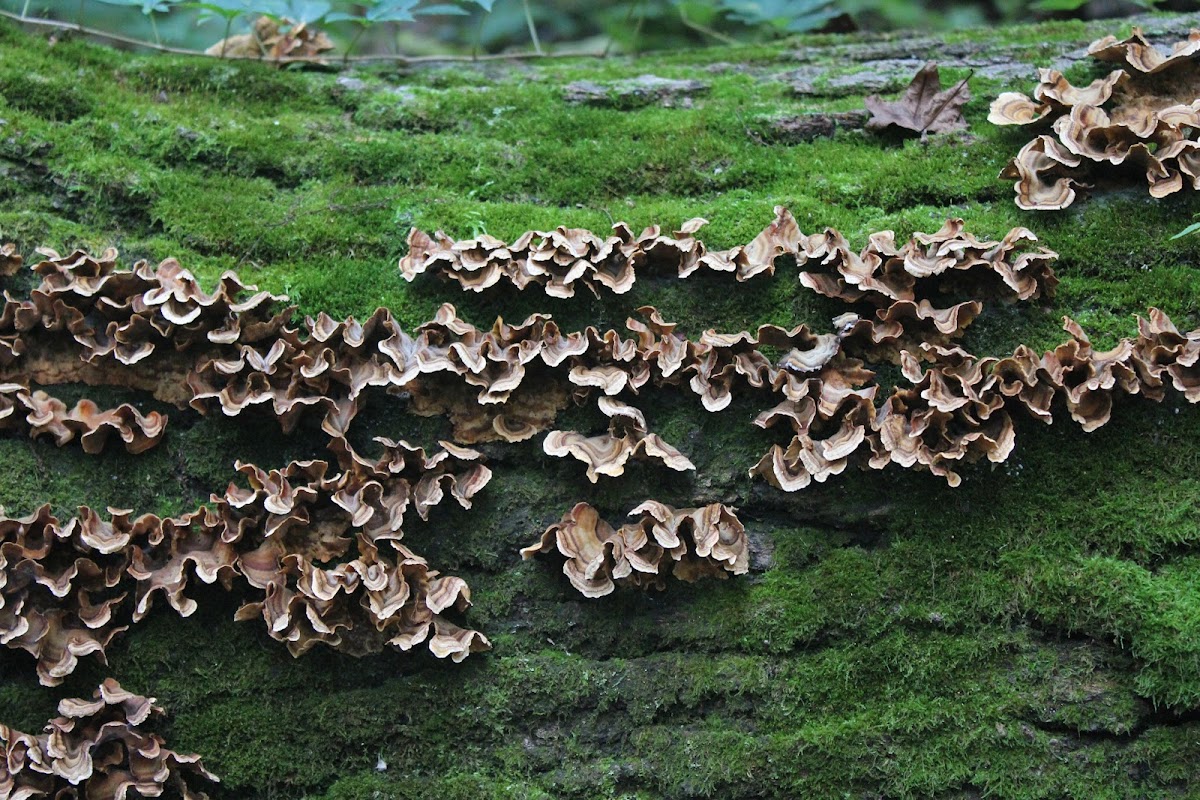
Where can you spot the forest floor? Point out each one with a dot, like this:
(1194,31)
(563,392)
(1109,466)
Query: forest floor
(1033,633)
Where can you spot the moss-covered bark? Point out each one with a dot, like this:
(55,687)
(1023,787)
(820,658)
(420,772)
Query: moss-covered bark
(1034,633)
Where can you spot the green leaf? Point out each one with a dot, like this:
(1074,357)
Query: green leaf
(811,22)
(1190,229)
(394,11)
(225,9)
(1059,5)
(301,12)
(792,15)
(342,16)
(442,9)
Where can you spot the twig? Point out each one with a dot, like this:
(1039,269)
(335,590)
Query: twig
(379,57)
(112,37)
(950,96)
(394,58)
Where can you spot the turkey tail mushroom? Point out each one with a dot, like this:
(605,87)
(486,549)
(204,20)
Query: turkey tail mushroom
(689,544)
(10,260)
(98,749)
(46,415)
(558,260)
(318,551)
(930,264)
(1143,115)
(627,438)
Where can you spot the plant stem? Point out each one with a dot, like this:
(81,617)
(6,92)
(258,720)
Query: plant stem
(624,24)
(478,36)
(350,47)
(637,30)
(25,9)
(79,16)
(707,31)
(154,27)
(537,45)
(225,39)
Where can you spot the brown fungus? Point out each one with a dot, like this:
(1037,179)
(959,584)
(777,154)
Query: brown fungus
(98,749)
(1141,118)
(957,409)
(42,415)
(558,260)
(318,549)
(627,438)
(275,40)
(10,260)
(689,544)
(930,264)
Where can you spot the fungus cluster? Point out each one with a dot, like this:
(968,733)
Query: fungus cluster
(510,381)
(98,749)
(317,550)
(10,260)
(152,328)
(954,412)
(957,409)
(557,260)
(688,543)
(90,321)
(608,453)
(275,39)
(929,265)
(1142,117)
(40,414)
(883,272)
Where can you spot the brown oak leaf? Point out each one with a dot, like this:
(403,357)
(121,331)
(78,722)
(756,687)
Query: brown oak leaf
(924,106)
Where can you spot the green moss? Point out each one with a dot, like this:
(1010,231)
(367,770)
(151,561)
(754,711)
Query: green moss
(1033,633)
(55,98)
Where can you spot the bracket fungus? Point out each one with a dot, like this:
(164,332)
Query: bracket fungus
(326,551)
(627,438)
(929,265)
(688,543)
(1142,117)
(883,272)
(557,260)
(10,260)
(98,749)
(315,548)
(957,409)
(317,551)
(46,415)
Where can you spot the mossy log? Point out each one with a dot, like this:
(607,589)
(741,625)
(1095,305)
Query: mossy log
(1034,632)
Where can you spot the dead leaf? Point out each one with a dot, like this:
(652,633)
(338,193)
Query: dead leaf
(924,106)
(271,42)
